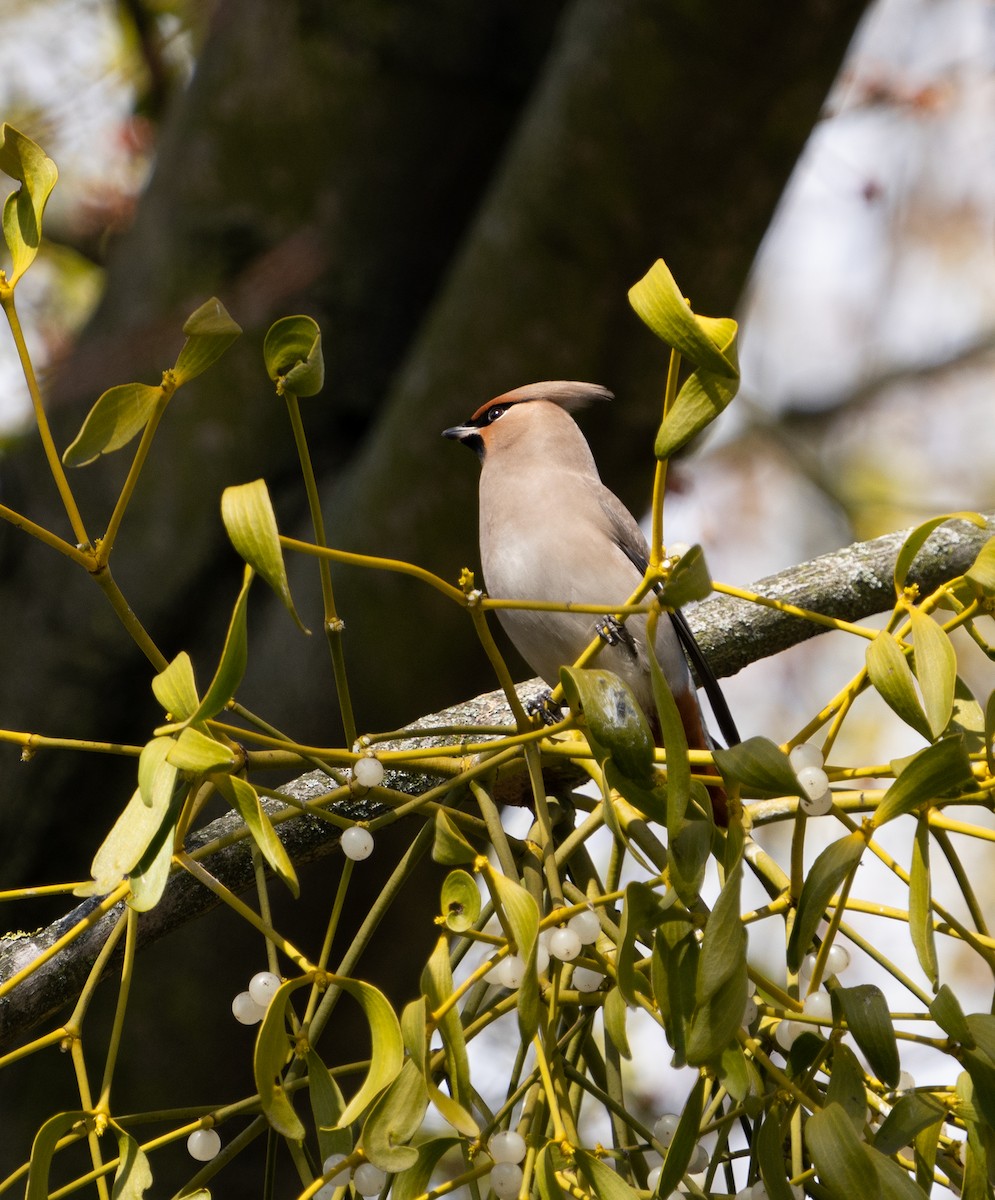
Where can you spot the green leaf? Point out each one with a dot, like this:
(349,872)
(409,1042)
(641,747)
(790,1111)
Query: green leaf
(948,1014)
(839,1156)
(242,796)
(723,943)
(209,332)
(450,846)
(200,754)
(689,580)
(676,743)
(738,1075)
(846,1086)
(982,571)
(415,1180)
(149,878)
(679,1152)
(605,1183)
(176,690)
(703,341)
(941,768)
(982,1027)
(156,776)
(770,1155)
(133,1174)
(869,1020)
(982,1074)
(758,766)
(917,538)
(549,1160)
(43,1147)
(704,396)
(131,835)
(234,658)
(721,987)
(119,415)
(642,910)
(936,670)
(273,1050)
(920,910)
(911,1114)
(674,969)
(687,858)
(386,1045)
(24,160)
(413,1030)
(990,732)
(615,723)
(248,516)
(327,1106)
(460,901)
(615,1014)
(394,1119)
(828,872)
(891,677)
(437,985)
(292,353)
(521,913)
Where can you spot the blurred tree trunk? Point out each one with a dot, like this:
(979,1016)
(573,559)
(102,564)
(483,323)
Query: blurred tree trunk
(461,195)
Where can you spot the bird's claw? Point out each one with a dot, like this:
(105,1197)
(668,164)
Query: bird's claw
(542,706)
(610,630)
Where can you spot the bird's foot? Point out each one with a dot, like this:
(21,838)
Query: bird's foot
(542,706)
(613,633)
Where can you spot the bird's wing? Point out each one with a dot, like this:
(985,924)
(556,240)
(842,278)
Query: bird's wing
(629,538)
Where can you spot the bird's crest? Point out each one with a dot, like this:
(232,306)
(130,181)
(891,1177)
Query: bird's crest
(569,394)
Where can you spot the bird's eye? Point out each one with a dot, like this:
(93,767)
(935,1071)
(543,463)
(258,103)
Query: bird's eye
(497,411)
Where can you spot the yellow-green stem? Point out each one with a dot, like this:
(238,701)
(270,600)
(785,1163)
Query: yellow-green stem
(114,1042)
(41,418)
(106,544)
(660,474)
(332,624)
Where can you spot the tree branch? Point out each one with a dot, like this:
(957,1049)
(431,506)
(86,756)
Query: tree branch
(851,583)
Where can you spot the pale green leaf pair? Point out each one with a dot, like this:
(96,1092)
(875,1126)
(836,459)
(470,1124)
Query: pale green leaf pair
(122,412)
(23,160)
(708,343)
(274,1050)
(935,668)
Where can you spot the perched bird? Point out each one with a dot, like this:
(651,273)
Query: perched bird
(550,530)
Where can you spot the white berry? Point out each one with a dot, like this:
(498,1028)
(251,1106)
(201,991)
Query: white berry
(509,972)
(542,957)
(506,1179)
(245,1010)
(357,843)
(813,781)
(564,944)
(586,926)
(507,1146)
(204,1144)
(906,1082)
(331,1163)
(263,986)
(837,960)
(325,1192)
(368,1179)
(750,1011)
(819,1005)
(586,980)
(699,1160)
(368,772)
(665,1128)
(817,806)
(787,1033)
(807,754)
(653,1178)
